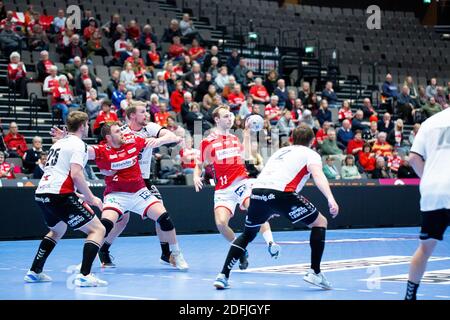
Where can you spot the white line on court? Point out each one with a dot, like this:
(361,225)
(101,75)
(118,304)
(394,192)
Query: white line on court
(270,284)
(115,296)
(362,290)
(445,297)
(127,274)
(390,292)
(249,282)
(169,277)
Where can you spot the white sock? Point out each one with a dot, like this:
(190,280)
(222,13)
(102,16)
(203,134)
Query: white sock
(174,247)
(268,237)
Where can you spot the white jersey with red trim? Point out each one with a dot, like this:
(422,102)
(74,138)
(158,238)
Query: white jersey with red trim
(56,178)
(151,130)
(225,154)
(287,169)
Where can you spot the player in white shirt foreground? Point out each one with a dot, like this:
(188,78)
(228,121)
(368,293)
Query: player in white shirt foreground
(430,158)
(60,205)
(276,192)
(137,124)
(233,186)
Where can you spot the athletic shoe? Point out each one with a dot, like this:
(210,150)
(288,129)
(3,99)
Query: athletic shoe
(243,261)
(274,250)
(89,281)
(177,260)
(33,277)
(221,282)
(317,279)
(164,259)
(106,259)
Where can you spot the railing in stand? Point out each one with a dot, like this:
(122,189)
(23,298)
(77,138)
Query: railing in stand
(12,99)
(34,108)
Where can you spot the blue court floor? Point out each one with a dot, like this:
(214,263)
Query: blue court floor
(361,264)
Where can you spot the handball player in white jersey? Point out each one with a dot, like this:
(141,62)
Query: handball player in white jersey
(276,192)
(233,187)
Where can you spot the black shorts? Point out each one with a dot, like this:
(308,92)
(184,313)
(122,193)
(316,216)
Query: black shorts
(434,224)
(63,207)
(265,203)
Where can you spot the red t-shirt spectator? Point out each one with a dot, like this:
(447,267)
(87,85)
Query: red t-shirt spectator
(155,59)
(394,163)
(88,32)
(16,142)
(14,72)
(270,110)
(104,118)
(236,100)
(367,162)
(354,144)
(134,32)
(195,50)
(161,118)
(6,167)
(60,94)
(176,100)
(321,135)
(176,50)
(345,114)
(188,157)
(259,91)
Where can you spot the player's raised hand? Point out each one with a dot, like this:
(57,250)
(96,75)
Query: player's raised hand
(334,208)
(198,183)
(57,132)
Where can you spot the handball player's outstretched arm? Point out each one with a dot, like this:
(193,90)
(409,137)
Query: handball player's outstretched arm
(322,183)
(165,137)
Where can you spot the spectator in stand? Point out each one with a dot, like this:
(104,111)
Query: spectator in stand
(106,115)
(129,78)
(93,104)
(308,119)
(113,84)
(396,138)
(3,147)
(124,104)
(172,31)
(441,98)
(175,128)
(120,48)
(229,87)
(187,28)
(32,155)
(367,158)
(345,133)
(297,111)
(138,65)
(236,98)
(329,145)
(38,40)
(177,97)
(345,112)
(329,94)
(422,98)
(357,121)
(248,108)
(233,60)
(6,169)
(305,92)
(154,59)
(196,52)
(194,116)
(176,50)
(189,156)
(324,114)
(88,16)
(146,38)
(409,82)
(405,171)
(381,171)
(133,31)
(321,134)
(95,46)
(222,79)
(161,88)
(394,161)
(162,115)
(118,96)
(208,99)
(240,71)
(186,105)
(10,41)
(110,27)
(38,171)
(369,113)
(355,146)
(413,133)
(349,170)
(249,81)
(381,147)
(389,90)
(72,70)
(285,125)
(62,98)
(281,92)
(75,49)
(17,75)
(272,111)
(386,124)
(214,68)
(405,105)
(86,74)
(192,79)
(15,142)
(154,106)
(59,22)
(271,82)
(371,134)
(51,81)
(330,170)
(431,108)
(431,88)
(259,93)
(43,66)
(214,52)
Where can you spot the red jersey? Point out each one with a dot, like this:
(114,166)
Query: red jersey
(176,100)
(271,110)
(236,100)
(176,50)
(345,114)
(47,64)
(193,51)
(4,167)
(156,59)
(60,95)
(225,154)
(14,72)
(259,91)
(124,161)
(394,163)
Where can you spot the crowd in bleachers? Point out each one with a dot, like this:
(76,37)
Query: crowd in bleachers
(103,68)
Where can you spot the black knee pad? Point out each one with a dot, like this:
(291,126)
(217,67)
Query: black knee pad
(165,222)
(109,225)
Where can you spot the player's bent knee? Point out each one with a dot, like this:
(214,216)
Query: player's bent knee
(108,224)
(320,222)
(165,222)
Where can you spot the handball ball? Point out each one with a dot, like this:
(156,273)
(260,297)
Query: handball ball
(255,122)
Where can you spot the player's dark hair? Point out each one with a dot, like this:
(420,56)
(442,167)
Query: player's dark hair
(75,120)
(303,135)
(106,129)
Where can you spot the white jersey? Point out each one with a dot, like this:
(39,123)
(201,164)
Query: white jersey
(287,169)
(432,142)
(151,130)
(56,178)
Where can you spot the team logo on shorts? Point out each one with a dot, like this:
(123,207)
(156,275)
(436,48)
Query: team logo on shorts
(74,220)
(145,194)
(297,212)
(240,191)
(111,200)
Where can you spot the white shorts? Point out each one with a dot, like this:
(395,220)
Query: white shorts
(138,202)
(234,194)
